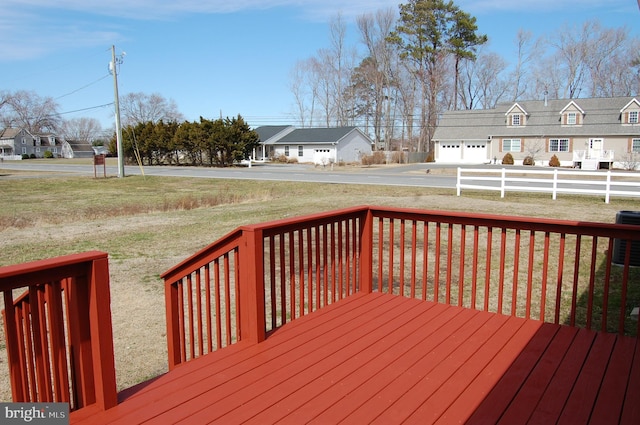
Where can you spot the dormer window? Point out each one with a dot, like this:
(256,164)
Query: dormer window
(572,118)
(633,117)
(516,116)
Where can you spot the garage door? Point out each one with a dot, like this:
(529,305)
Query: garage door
(450,152)
(475,152)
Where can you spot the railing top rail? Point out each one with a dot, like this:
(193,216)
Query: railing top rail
(624,231)
(217,248)
(307,220)
(42,271)
(532,170)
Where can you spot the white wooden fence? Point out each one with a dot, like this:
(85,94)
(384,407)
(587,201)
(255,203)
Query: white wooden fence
(554,181)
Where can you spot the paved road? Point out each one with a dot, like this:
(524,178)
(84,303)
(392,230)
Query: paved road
(399,175)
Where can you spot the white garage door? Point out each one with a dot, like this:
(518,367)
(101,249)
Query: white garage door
(475,152)
(450,152)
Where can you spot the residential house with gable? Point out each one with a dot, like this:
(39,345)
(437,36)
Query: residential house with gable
(586,133)
(18,142)
(314,145)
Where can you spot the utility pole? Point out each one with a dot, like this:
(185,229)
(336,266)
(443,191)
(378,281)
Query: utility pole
(113,68)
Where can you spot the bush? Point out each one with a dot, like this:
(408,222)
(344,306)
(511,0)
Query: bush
(554,161)
(507,159)
(32,156)
(48,154)
(282,159)
(430,157)
(528,160)
(25,156)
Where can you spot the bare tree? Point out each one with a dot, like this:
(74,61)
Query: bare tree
(303,93)
(26,109)
(526,51)
(140,108)
(81,129)
(380,65)
(483,81)
(609,54)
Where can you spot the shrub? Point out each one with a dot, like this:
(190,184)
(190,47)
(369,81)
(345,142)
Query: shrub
(507,159)
(48,154)
(554,161)
(430,157)
(281,159)
(528,160)
(397,158)
(32,156)
(25,156)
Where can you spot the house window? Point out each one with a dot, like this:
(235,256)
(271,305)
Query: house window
(571,118)
(511,145)
(633,117)
(515,119)
(286,150)
(300,150)
(559,145)
(635,145)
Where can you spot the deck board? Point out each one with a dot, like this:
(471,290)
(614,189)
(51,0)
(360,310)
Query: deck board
(387,359)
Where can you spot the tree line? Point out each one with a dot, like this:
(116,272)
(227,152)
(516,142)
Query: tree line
(215,143)
(431,57)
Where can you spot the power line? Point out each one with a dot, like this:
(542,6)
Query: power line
(83,87)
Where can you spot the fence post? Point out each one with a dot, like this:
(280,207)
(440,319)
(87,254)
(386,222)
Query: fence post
(458,182)
(503,182)
(607,191)
(251,296)
(555,184)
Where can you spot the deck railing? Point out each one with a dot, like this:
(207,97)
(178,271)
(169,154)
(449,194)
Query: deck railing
(58,333)
(568,272)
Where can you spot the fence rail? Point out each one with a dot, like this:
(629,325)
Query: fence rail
(59,335)
(597,183)
(550,270)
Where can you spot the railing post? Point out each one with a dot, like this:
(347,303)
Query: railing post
(366,252)
(173,324)
(102,335)
(251,296)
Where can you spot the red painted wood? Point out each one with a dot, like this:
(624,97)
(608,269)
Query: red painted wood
(504,392)
(631,407)
(585,391)
(612,392)
(557,392)
(384,358)
(517,333)
(528,396)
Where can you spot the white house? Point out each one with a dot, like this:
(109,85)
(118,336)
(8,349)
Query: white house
(315,145)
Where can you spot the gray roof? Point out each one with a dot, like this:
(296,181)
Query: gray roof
(601,118)
(315,135)
(266,132)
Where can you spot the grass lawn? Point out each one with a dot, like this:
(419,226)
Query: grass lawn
(149,224)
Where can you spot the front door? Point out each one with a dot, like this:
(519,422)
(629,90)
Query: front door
(595,148)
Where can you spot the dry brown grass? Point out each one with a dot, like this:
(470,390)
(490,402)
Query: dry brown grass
(149,224)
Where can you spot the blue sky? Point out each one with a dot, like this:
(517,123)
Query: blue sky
(220,57)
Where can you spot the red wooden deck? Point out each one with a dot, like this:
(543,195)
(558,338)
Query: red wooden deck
(379,358)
